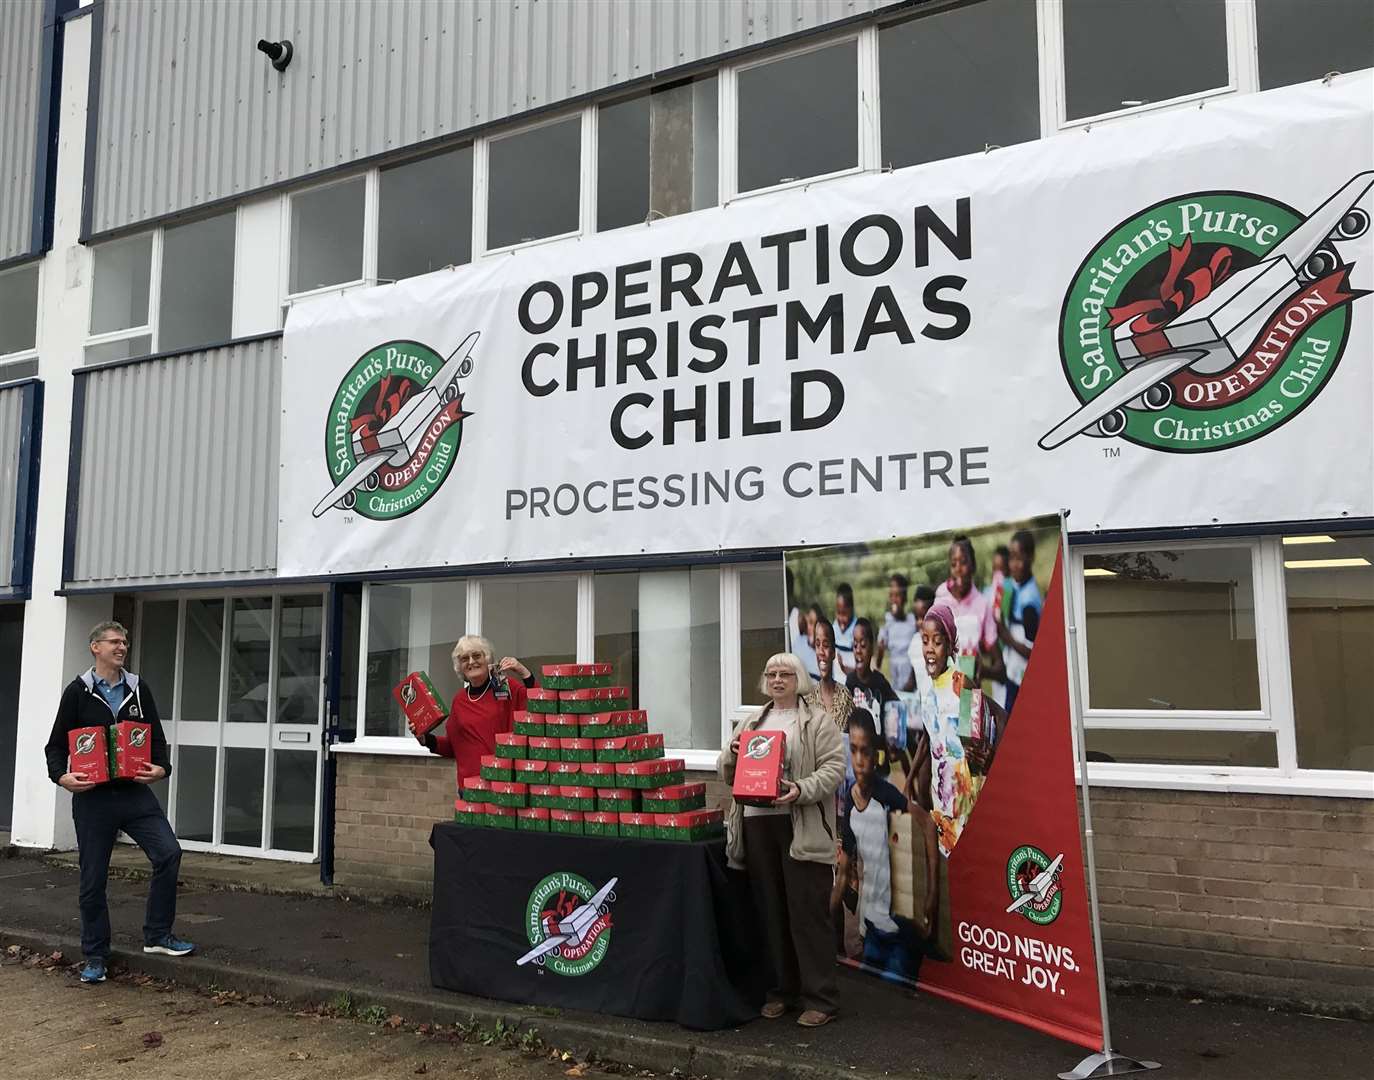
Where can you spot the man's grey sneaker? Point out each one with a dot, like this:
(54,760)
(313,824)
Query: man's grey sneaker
(93,972)
(169,946)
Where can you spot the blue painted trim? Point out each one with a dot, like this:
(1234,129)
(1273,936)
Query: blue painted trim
(92,118)
(78,438)
(49,105)
(26,485)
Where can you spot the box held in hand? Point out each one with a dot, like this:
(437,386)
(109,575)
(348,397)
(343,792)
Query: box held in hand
(419,699)
(131,747)
(759,767)
(88,753)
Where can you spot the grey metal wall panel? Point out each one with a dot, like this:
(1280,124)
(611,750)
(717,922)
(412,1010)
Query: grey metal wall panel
(178,470)
(189,113)
(11,421)
(21,62)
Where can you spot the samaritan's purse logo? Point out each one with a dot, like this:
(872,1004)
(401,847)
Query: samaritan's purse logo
(138,736)
(85,743)
(395,425)
(1033,884)
(759,746)
(568,923)
(1209,319)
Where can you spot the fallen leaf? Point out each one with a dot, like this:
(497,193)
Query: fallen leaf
(576,1070)
(113,1020)
(393,1021)
(123,1061)
(298,1055)
(152,1040)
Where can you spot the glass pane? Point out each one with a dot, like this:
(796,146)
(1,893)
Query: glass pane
(119,284)
(1300,40)
(195,776)
(1331,649)
(411,628)
(1171,629)
(293,800)
(124,349)
(18,309)
(799,117)
(1220,748)
(300,660)
(662,632)
(250,648)
(426,215)
(533,619)
(762,617)
(327,236)
(156,662)
(1114,56)
(955,82)
(243,784)
(200,660)
(533,185)
(196,304)
(348,661)
(19,369)
(622,163)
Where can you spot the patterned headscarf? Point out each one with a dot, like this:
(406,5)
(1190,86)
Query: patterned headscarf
(944,615)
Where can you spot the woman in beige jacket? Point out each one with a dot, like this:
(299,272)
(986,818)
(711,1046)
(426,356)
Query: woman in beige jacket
(788,849)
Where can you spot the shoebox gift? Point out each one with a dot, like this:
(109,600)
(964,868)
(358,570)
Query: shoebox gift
(568,822)
(495,768)
(541,701)
(420,701)
(545,797)
(532,819)
(637,826)
(575,676)
(758,770)
(565,772)
(500,817)
(630,748)
(523,723)
(577,796)
(465,813)
(594,700)
(620,800)
(693,825)
(562,726)
(131,746)
(475,789)
(88,752)
(597,774)
(511,745)
(576,750)
(612,725)
(543,748)
(677,799)
(601,823)
(530,771)
(508,793)
(655,773)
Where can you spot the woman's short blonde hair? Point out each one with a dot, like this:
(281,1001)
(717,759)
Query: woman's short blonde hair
(787,660)
(468,642)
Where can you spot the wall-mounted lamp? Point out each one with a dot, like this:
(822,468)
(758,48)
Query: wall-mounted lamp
(280,52)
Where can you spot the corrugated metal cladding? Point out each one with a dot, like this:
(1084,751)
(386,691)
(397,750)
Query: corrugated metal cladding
(190,113)
(21,62)
(179,465)
(11,421)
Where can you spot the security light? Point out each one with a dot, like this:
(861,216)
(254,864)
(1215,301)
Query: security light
(280,52)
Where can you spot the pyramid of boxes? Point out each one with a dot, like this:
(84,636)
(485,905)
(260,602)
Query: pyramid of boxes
(581,761)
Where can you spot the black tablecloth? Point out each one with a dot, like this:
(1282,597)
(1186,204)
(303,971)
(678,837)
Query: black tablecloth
(675,938)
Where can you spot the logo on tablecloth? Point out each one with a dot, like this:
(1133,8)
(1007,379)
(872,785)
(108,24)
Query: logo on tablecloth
(1033,883)
(568,923)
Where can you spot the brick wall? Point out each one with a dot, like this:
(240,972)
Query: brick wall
(1263,896)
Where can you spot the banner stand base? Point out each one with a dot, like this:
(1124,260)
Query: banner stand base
(1107,1063)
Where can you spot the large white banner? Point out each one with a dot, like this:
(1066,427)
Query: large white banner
(1161,322)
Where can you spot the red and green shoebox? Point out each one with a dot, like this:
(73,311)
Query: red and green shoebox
(619,800)
(508,793)
(421,702)
(568,822)
(637,826)
(500,817)
(532,819)
(511,745)
(562,726)
(578,750)
(575,676)
(597,774)
(525,724)
(630,748)
(565,772)
(655,773)
(131,747)
(530,771)
(496,768)
(692,825)
(613,725)
(475,789)
(600,823)
(678,799)
(468,813)
(594,700)
(545,797)
(541,701)
(577,796)
(88,752)
(543,748)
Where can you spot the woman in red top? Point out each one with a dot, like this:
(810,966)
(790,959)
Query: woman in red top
(482,709)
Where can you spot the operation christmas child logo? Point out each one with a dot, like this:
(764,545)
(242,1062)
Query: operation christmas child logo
(1033,884)
(568,923)
(1209,319)
(394,429)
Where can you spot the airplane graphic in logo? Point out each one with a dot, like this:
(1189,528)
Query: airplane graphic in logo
(760,746)
(1038,888)
(574,928)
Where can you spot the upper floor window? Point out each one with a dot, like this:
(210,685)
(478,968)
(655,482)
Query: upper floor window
(327,235)
(425,215)
(120,284)
(799,116)
(534,183)
(1122,54)
(18,317)
(1300,40)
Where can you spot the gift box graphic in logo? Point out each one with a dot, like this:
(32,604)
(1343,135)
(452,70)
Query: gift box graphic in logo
(568,923)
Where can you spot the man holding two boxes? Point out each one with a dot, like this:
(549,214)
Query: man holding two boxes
(108,703)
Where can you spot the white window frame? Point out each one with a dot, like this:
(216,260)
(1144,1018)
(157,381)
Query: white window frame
(586,178)
(372,232)
(371,187)
(22,356)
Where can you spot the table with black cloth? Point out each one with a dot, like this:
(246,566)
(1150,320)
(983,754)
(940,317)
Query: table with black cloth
(682,944)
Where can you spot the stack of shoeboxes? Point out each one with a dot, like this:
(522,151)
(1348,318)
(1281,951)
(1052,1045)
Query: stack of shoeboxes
(110,753)
(580,761)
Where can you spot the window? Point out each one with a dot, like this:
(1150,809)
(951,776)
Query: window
(762,615)
(534,183)
(661,631)
(119,285)
(1124,53)
(196,301)
(1222,749)
(327,235)
(656,154)
(250,643)
(531,618)
(410,627)
(1330,597)
(799,116)
(1300,40)
(958,81)
(425,215)
(300,626)
(18,312)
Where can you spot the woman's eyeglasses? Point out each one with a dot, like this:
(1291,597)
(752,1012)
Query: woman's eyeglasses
(780,674)
(472,658)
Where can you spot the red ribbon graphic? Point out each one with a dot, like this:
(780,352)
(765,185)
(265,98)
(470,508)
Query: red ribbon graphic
(1177,293)
(389,401)
(577,952)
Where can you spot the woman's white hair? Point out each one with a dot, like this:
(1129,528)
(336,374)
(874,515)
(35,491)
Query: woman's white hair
(785,659)
(473,641)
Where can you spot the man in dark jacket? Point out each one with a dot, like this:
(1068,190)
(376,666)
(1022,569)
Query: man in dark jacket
(107,694)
